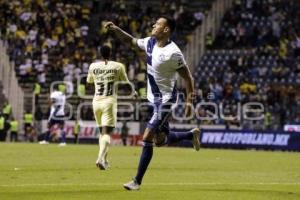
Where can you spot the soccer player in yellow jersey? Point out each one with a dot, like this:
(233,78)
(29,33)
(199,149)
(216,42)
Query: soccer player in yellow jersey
(105,75)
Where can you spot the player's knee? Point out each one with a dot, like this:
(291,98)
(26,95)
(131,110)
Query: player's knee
(147,138)
(148,135)
(160,144)
(160,140)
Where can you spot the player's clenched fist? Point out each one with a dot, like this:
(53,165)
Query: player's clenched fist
(110,25)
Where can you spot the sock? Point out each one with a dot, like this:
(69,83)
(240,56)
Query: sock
(174,137)
(104,141)
(47,136)
(63,136)
(105,156)
(107,139)
(144,161)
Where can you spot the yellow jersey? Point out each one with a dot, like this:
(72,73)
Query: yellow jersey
(106,76)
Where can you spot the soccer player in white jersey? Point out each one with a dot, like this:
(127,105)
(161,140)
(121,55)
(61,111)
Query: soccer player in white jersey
(164,62)
(105,75)
(56,117)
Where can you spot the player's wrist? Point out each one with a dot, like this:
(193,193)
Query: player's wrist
(190,97)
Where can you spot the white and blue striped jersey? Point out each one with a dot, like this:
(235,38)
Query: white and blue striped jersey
(162,63)
(58,107)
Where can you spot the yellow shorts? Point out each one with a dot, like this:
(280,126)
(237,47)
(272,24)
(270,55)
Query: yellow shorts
(105,111)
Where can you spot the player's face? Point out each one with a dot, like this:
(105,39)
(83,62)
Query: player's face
(159,28)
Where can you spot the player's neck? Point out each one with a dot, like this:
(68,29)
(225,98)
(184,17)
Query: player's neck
(105,61)
(162,42)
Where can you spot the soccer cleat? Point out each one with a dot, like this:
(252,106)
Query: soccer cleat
(132,185)
(106,164)
(195,140)
(43,142)
(62,144)
(102,165)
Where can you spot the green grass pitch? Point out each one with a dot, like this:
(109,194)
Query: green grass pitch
(33,171)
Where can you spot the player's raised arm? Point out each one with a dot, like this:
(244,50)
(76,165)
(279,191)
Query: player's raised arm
(121,34)
(90,79)
(186,75)
(122,74)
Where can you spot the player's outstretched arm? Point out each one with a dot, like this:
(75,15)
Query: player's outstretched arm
(186,75)
(121,34)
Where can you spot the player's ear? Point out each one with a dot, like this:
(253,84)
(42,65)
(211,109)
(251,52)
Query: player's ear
(166,29)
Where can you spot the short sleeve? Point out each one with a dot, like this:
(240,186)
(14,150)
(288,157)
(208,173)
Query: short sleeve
(179,60)
(90,78)
(52,95)
(142,43)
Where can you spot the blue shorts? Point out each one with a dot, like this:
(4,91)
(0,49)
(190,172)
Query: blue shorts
(57,120)
(160,115)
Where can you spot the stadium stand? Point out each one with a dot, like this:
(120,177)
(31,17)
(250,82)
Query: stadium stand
(56,41)
(255,57)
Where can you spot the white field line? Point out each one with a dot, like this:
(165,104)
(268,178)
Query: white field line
(147,184)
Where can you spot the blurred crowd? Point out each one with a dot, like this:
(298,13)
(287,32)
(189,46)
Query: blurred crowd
(137,19)
(254,57)
(51,40)
(47,39)
(261,24)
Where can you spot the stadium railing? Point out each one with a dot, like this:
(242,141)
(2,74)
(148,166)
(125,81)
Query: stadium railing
(196,46)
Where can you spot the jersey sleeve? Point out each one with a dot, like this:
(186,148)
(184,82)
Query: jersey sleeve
(52,95)
(90,78)
(178,60)
(142,43)
(122,74)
